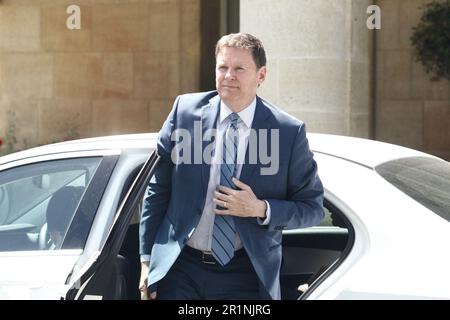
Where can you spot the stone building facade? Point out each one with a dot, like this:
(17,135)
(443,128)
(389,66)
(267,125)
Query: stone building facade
(121,71)
(327,68)
(411,110)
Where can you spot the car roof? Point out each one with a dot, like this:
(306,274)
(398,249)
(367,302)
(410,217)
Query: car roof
(366,152)
(369,153)
(124,142)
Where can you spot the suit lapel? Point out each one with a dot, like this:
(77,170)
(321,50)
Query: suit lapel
(260,121)
(210,113)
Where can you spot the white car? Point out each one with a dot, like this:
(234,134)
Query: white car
(69,217)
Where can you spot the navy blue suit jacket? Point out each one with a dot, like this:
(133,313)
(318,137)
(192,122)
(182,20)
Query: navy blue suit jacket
(176,194)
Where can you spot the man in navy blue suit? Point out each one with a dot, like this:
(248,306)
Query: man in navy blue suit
(214,211)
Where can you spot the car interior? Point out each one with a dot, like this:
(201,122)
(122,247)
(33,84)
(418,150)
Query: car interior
(308,253)
(55,213)
(39,200)
(60,210)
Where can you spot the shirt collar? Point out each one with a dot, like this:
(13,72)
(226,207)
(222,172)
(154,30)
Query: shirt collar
(246,115)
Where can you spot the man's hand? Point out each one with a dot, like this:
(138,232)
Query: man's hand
(143,282)
(240,203)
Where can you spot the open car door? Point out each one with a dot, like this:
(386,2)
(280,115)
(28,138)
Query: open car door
(41,199)
(98,278)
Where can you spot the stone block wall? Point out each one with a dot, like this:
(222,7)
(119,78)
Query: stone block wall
(118,74)
(326,68)
(411,110)
(318,60)
(122,70)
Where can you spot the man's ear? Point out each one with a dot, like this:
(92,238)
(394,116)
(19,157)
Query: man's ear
(262,72)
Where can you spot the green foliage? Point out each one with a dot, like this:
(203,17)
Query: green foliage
(9,143)
(431,39)
(10,134)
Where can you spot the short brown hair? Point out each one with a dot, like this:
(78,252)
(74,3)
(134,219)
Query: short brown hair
(244,41)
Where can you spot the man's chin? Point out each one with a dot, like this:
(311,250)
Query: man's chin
(229,93)
(227,98)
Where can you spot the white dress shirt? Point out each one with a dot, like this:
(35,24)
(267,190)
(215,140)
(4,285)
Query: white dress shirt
(202,236)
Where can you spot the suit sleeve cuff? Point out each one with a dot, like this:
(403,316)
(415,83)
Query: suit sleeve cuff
(145,257)
(266,221)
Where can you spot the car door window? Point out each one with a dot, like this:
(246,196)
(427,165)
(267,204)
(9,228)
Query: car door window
(38,201)
(332,219)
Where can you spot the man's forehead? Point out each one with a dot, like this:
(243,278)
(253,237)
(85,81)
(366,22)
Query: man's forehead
(233,50)
(237,56)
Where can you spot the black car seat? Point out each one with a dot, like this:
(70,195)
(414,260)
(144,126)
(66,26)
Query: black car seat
(60,210)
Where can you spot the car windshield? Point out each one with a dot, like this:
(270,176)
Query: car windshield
(427,180)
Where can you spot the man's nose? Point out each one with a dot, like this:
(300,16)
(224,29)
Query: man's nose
(230,74)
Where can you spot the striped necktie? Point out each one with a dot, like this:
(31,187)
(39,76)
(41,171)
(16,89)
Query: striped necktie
(224,231)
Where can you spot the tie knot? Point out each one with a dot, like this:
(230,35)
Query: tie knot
(234,117)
